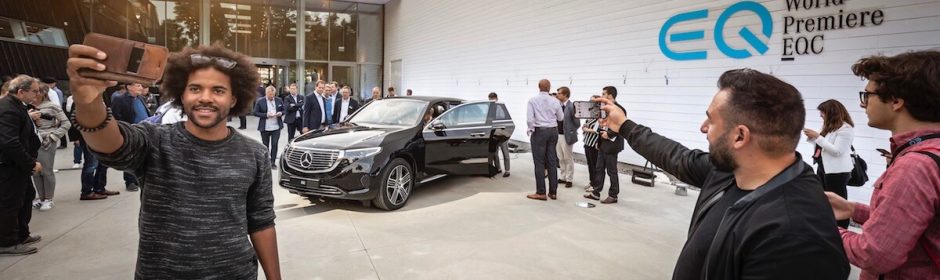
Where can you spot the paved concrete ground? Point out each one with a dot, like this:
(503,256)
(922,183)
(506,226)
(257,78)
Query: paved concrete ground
(453,228)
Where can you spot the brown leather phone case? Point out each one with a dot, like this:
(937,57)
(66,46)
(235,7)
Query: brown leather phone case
(128,61)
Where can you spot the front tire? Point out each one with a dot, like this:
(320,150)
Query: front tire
(395,186)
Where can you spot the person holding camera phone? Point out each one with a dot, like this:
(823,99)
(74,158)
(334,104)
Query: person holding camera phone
(206,201)
(761,213)
(269,111)
(51,126)
(833,152)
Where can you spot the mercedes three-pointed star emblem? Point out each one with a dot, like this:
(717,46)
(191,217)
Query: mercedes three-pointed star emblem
(306,160)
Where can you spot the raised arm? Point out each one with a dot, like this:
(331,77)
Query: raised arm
(90,110)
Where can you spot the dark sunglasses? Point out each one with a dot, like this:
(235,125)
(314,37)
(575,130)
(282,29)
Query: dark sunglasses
(220,61)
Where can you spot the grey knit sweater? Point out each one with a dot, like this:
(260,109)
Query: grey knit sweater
(199,201)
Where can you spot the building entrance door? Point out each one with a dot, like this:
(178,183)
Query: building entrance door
(345,74)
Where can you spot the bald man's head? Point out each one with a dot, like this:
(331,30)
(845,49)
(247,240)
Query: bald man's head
(544,85)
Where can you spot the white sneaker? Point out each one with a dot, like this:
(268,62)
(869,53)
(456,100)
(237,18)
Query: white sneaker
(37,203)
(47,205)
(76,166)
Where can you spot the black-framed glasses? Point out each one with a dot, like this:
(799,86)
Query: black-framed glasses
(220,61)
(863,96)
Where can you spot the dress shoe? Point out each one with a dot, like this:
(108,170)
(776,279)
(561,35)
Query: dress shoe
(31,239)
(133,187)
(609,200)
(553,196)
(93,196)
(567,184)
(17,250)
(592,196)
(537,196)
(506,174)
(108,193)
(563,181)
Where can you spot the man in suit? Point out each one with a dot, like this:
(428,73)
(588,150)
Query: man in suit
(19,146)
(376,95)
(609,145)
(567,136)
(314,116)
(269,110)
(130,108)
(294,111)
(344,106)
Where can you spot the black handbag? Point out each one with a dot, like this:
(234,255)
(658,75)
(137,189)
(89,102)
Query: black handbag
(859,171)
(645,176)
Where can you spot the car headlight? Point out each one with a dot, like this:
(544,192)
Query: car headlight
(354,154)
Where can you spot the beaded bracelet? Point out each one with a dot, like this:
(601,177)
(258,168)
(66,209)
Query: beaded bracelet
(101,126)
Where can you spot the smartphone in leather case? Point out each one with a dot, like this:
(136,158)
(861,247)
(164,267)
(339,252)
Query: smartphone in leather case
(128,61)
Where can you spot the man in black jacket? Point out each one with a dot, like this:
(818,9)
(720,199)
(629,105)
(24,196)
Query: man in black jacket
(761,213)
(294,111)
(130,108)
(314,114)
(19,146)
(344,106)
(609,145)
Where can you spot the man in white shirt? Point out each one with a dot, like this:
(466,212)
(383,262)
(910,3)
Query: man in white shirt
(314,114)
(270,109)
(344,106)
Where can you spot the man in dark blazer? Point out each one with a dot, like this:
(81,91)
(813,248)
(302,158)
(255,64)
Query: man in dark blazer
(609,145)
(344,106)
(269,110)
(130,108)
(314,114)
(19,146)
(294,111)
(567,136)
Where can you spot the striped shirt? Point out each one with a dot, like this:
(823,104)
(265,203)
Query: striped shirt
(590,138)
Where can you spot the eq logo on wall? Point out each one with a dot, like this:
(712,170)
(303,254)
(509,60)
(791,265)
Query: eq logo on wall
(757,43)
(802,32)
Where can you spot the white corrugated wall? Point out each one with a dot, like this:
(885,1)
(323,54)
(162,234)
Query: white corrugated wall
(467,49)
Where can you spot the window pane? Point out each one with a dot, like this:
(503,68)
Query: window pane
(180,23)
(283,35)
(342,24)
(316,34)
(470,114)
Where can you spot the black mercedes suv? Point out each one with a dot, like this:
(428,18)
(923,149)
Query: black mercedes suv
(380,152)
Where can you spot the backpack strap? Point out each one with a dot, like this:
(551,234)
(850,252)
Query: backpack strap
(923,241)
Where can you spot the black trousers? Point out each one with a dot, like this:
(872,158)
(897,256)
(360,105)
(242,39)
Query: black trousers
(242,122)
(291,128)
(836,183)
(607,163)
(590,154)
(543,154)
(269,138)
(16,196)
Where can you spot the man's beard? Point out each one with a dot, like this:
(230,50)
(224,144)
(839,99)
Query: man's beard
(215,122)
(720,155)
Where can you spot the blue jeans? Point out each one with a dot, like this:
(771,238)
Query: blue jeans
(94,174)
(77,152)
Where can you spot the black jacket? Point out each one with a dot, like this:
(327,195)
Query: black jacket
(312,115)
(291,109)
(783,230)
(19,144)
(122,107)
(351,107)
(261,111)
(611,147)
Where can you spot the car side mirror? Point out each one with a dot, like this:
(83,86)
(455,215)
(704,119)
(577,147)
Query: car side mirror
(437,125)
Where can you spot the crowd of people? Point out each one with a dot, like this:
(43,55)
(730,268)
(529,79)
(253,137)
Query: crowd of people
(762,211)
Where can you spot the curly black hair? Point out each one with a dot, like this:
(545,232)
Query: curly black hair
(244,76)
(912,77)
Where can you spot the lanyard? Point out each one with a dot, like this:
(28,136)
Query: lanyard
(915,141)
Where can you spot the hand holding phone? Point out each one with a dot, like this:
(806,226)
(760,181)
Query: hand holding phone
(884,153)
(588,110)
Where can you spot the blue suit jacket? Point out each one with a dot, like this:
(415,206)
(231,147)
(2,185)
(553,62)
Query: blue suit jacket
(313,116)
(261,111)
(292,108)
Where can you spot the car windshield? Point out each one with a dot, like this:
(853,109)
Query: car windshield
(391,112)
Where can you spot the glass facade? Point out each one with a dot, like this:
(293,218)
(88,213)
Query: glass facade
(289,40)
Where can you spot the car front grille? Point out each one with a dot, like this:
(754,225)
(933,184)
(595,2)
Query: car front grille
(311,160)
(314,190)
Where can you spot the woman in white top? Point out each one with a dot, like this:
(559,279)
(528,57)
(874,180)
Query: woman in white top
(833,153)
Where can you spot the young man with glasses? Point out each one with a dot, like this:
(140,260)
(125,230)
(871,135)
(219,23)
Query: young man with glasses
(900,237)
(206,188)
